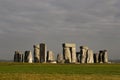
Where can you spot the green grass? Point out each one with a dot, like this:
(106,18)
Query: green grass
(70,70)
(110,69)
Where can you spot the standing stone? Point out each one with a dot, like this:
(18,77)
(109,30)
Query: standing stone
(105,56)
(73,55)
(83,52)
(60,58)
(86,55)
(101,56)
(96,55)
(28,56)
(36,53)
(17,56)
(67,55)
(43,53)
(78,56)
(90,56)
(50,56)
(69,52)
(23,58)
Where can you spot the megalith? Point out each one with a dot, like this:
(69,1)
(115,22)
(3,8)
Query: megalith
(67,55)
(69,52)
(50,56)
(105,56)
(78,56)
(18,57)
(28,56)
(101,58)
(83,52)
(86,55)
(43,52)
(96,55)
(60,58)
(89,56)
(36,53)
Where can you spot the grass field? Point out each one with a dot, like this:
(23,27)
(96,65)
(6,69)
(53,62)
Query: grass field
(24,71)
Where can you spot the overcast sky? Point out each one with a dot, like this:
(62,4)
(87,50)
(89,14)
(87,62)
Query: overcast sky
(93,23)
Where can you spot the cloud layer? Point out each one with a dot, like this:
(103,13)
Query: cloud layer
(95,23)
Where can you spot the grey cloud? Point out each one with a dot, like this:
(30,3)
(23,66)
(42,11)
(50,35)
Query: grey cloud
(86,22)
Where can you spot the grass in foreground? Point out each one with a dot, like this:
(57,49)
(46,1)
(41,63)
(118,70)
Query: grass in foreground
(18,76)
(20,71)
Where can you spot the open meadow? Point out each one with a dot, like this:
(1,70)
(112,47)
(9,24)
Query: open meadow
(25,71)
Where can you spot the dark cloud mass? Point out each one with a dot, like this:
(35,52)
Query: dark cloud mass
(95,23)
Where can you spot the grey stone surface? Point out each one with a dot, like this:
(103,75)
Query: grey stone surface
(83,52)
(105,56)
(96,55)
(101,56)
(43,53)
(60,58)
(18,56)
(69,45)
(36,53)
(78,56)
(28,56)
(67,55)
(73,53)
(69,52)
(50,56)
(86,55)
(89,56)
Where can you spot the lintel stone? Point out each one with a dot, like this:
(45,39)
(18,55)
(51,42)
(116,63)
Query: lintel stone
(69,45)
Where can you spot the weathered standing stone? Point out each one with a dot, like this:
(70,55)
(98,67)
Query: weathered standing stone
(83,52)
(78,56)
(43,53)
(90,56)
(96,55)
(67,55)
(28,57)
(101,56)
(73,53)
(36,53)
(69,52)
(22,57)
(86,55)
(17,56)
(50,56)
(60,58)
(105,56)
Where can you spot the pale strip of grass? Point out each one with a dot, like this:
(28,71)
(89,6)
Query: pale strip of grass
(18,76)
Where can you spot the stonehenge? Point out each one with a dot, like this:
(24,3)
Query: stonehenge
(87,56)
(69,52)
(69,55)
(26,57)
